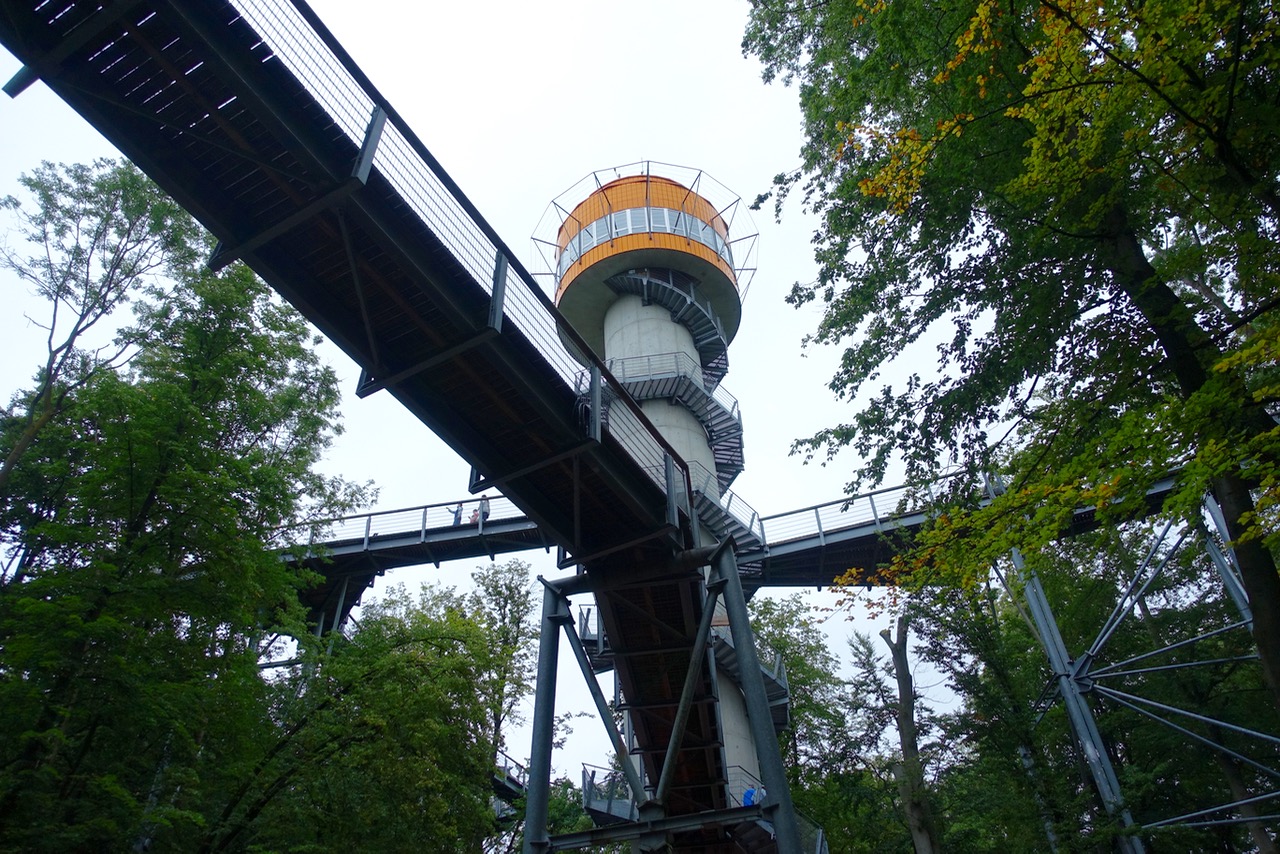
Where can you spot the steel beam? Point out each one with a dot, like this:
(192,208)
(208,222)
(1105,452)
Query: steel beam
(89,29)
(538,788)
(370,385)
(637,830)
(1078,712)
(759,717)
(498,296)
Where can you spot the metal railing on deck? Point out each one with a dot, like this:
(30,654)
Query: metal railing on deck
(402,522)
(705,482)
(771,661)
(671,364)
(511,770)
(605,790)
(300,41)
(876,507)
(879,507)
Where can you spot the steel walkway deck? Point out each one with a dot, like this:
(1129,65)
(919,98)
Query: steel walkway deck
(808,547)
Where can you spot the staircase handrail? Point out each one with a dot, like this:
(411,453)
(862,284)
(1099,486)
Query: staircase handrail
(729,501)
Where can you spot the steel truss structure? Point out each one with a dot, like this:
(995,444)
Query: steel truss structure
(1089,676)
(653,829)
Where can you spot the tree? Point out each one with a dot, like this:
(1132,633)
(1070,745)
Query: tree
(839,765)
(138,528)
(1013,772)
(816,741)
(1076,204)
(909,773)
(381,745)
(502,603)
(101,233)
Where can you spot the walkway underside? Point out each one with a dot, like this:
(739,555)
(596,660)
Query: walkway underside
(650,616)
(190,93)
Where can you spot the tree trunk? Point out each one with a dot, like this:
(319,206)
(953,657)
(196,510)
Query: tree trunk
(1230,769)
(1257,575)
(1190,354)
(909,774)
(34,426)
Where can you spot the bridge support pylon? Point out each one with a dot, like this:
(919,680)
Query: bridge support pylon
(770,825)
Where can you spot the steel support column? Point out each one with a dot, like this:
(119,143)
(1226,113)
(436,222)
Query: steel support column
(538,792)
(602,706)
(759,717)
(337,614)
(1225,560)
(1079,714)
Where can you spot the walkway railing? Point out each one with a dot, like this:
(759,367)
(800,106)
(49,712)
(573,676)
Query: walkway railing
(706,482)
(465,515)
(675,365)
(300,41)
(605,790)
(512,770)
(879,507)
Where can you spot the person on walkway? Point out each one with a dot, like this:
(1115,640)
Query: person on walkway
(457,515)
(484,508)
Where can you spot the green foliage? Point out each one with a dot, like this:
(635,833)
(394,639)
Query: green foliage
(565,814)
(837,760)
(994,663)
(382,746)
(98,235)
(1000,774)
(1048,195)
(137,531)
(503,605)
(817,739)
(145,487)
(1049,248)
(564,808)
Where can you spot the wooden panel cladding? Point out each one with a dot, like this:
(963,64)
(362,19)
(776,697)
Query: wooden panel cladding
(639,191)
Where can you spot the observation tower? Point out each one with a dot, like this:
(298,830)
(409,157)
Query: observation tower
(648,272)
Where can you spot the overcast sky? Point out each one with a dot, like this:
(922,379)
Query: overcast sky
(519,101)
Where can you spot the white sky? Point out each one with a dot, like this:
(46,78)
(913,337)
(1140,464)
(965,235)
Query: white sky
(519,101)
